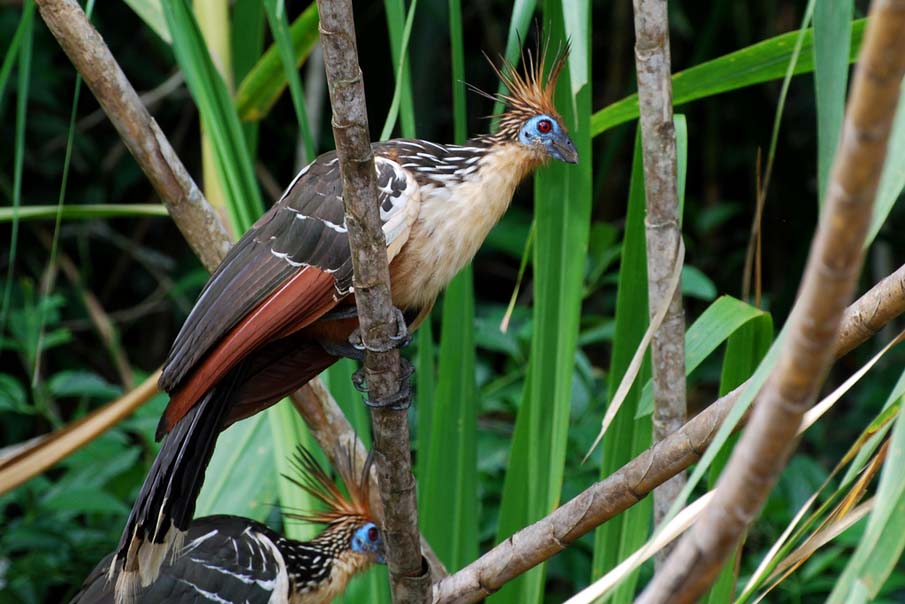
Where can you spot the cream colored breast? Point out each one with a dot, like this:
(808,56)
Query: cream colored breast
(452,224)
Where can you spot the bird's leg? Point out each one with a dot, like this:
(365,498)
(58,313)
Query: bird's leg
(400,339)
(354,347)
(347,349)
(401,400)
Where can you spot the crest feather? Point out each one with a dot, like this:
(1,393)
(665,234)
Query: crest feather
(314,480)
(529,91)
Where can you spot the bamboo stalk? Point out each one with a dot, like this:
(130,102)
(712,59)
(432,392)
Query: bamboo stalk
(829,280)
(616,493)
(409,573)
(658,144)
(213,21)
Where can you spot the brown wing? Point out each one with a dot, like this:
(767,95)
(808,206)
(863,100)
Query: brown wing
(301,230)
(288,270)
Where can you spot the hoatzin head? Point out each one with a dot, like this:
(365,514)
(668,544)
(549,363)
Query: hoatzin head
(531,118)
(351,527)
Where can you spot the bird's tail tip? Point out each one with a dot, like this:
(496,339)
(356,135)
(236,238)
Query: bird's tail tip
(141,564)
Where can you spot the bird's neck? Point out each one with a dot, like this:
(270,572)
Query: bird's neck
(455,218)
(325,565)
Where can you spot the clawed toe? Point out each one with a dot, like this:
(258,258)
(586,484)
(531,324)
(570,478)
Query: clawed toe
(400,401)
(400,339)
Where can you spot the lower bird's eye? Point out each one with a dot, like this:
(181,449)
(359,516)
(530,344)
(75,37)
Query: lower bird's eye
(544,126)
(372,533)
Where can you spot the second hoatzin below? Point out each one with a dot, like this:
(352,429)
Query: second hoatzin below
(280,306)
(235,560)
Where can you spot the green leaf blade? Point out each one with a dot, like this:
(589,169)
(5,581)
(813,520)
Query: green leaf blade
(761,62)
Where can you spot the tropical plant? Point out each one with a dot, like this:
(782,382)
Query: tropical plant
(527,349)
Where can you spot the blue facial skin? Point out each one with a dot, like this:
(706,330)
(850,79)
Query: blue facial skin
(368,539)
(554,139)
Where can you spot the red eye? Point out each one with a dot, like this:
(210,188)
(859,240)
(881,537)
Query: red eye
(544,126)
(372,533)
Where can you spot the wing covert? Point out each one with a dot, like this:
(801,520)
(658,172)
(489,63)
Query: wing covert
(305,228)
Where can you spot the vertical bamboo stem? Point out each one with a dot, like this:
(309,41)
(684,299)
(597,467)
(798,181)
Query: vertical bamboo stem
(409,573)
(658,142)
(829,281)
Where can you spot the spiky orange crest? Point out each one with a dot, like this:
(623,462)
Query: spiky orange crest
(315,481)
(530,91)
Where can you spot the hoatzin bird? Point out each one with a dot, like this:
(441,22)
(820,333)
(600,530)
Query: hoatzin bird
(280,307)
(228,559)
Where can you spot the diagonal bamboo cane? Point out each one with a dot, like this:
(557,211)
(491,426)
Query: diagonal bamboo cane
(829,280)
(616,493)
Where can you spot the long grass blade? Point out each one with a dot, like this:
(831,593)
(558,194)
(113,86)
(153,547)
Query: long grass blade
(537,459)
(247,17)
(214,25)
(449,508)
(615,539)
(522,12)
(264,84)
(832,38)
(450,503)
(393,114)
(218,116)
(58,219)
(12,52)
(279,27)
(83,212)
(758,63)
(24,78)
(744,350)
(395,10)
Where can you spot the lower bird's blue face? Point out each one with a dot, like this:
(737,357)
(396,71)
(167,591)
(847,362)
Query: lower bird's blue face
(546,130)
(367,539)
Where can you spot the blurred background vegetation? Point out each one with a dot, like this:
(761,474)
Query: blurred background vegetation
(92,324)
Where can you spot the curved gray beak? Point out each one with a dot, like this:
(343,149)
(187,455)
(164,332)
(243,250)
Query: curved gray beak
(563,149)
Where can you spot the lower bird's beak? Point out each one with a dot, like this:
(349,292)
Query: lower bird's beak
(563,149)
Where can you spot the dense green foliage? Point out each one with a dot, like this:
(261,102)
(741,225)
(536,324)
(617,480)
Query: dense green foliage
(503,418)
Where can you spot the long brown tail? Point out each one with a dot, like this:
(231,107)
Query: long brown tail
(166,502)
